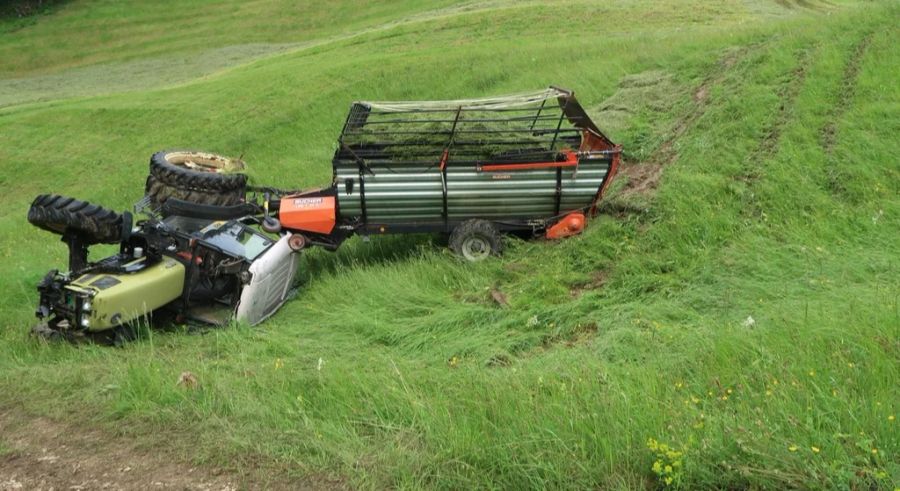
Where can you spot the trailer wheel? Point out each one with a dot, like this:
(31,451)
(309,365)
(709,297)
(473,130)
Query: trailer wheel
(159,192)
(61,214)
(476,240)
(199,171)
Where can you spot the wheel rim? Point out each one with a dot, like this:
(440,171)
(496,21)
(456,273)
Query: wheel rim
(204,162)
(476,248)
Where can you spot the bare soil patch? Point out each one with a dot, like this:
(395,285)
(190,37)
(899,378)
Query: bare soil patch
(598,279)
(43,454)
(643,179)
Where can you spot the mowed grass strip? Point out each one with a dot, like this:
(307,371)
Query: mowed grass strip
(395,367)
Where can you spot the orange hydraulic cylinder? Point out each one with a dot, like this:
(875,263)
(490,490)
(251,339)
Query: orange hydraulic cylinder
(571,224)
(315,214)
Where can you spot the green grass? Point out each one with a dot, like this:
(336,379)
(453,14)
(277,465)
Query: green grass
(5,449)
(393,367)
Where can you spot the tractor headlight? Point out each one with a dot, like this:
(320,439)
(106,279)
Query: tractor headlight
(86,306)
(85,322)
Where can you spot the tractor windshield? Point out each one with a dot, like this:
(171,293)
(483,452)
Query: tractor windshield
(236,239)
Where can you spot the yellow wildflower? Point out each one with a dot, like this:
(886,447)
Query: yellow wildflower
(815,449)
(278,363)
(667,469)
(812,373)
(768,392)
(668,480)
(874,451)
(657,467)
(793,448)
(891,417)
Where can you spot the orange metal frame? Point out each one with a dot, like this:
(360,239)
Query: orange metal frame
(308,214)
(613,169)
(571,161)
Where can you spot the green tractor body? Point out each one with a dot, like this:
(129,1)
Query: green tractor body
(110,300)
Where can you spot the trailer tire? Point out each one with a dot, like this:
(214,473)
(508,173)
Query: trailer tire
(158,192)
(199,171)
(476,240)
(61,214)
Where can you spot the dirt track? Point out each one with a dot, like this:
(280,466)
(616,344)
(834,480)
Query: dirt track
(41,454)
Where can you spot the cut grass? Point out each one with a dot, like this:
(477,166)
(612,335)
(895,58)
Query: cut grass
(394,366)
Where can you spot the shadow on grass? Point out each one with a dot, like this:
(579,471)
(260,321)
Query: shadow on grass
(16,14)
(358,252)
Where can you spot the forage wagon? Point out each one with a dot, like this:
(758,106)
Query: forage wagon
(472,168)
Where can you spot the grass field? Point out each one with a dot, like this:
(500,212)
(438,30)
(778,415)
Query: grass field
(761,141)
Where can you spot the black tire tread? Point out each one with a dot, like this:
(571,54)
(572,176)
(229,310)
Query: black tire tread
(59,214)
(159,192)
(476,227)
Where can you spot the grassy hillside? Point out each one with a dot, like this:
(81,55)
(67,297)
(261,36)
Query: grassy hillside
(762,181)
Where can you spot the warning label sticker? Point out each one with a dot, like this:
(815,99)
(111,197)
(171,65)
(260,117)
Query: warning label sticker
(307,202)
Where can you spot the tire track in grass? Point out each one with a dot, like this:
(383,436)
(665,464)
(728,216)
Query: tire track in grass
(769,145)
(770,142)
(644,176)
(848,86)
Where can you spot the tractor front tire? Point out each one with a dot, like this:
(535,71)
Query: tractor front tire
(476,240)
(196,170)
(61,214)
(159,192)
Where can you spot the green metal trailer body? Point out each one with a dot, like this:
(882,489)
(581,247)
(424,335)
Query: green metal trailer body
(525,158)
(403,193)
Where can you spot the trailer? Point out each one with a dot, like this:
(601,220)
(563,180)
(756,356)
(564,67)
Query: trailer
(473,168)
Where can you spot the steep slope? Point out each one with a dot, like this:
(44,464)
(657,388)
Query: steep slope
(761,183)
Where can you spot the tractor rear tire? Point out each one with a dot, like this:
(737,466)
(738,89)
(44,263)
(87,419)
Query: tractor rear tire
(159,192)
(476,240)
(199,171)
(61,214)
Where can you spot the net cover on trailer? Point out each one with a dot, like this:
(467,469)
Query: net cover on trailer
(436,160)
